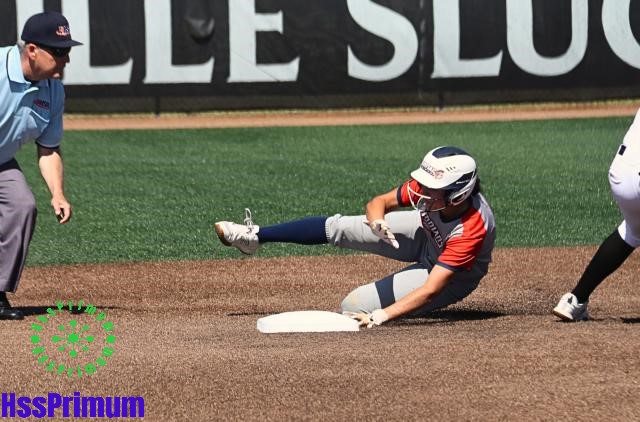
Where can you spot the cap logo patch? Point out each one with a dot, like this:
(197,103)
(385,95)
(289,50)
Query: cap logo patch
(63,31)
(432,171)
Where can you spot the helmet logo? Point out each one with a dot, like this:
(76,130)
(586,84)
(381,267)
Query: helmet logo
(432,171)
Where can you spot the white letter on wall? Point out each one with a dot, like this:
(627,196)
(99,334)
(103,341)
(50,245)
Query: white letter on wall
(244,22)
(617,30)
(26,8)
(391,26)
(160,70)
(80,71)
(520,39)
(446,46)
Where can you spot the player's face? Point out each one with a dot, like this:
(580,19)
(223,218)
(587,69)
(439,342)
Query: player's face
(432,199)
(50,61)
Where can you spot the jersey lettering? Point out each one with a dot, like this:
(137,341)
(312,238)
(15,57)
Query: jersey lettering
(428,224)
(456,244)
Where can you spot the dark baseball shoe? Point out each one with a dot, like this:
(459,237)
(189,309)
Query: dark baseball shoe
(241,236)
(8,312)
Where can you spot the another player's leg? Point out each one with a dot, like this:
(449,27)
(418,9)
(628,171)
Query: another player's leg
(609,257)
(615,249)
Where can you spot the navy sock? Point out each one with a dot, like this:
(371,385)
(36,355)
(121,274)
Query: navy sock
(307,231)
(609,257)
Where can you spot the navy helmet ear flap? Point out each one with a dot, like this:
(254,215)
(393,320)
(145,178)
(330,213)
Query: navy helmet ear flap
(458,195)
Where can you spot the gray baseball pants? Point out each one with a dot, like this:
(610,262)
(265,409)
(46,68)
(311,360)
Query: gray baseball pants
(350,232)
(17,222)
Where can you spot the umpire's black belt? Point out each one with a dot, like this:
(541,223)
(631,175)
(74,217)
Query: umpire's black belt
(11,164)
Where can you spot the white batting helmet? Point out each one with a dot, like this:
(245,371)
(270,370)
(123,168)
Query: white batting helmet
(450,169)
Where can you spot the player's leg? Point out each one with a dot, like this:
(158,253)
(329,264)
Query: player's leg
(341,231)
(305,231)
(350,232)
(17,222)
(248,237)
(608,258)
(614,250)
(387,291)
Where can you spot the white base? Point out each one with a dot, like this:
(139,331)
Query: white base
(306,322)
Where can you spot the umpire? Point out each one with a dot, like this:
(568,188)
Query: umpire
(31,108)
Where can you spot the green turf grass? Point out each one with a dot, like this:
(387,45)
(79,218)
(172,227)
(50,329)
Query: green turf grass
(154,195)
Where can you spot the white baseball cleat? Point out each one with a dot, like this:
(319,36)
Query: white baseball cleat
(242,236)
(568,309)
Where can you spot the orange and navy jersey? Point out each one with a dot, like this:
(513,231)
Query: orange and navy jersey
(461,243)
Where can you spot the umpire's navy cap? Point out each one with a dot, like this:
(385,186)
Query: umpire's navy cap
(50,29)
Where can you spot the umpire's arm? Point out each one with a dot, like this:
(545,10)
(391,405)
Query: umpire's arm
(52,170)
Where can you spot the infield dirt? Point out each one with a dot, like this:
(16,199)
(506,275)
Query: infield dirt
(186,341)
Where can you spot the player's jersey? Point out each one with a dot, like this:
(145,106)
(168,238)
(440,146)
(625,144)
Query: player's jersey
(462,244)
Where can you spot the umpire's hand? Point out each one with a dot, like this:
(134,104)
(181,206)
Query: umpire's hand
(62,208)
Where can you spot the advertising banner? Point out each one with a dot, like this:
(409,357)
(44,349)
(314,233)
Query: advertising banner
(252,53)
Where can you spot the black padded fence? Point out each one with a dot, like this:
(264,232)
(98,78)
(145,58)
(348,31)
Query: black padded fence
(195,55)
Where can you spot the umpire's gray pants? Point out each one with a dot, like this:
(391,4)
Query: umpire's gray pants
(17,221)
(350,232)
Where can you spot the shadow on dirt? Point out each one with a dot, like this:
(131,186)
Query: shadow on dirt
(241,314)
(42,310)
(451,316)
(448,315)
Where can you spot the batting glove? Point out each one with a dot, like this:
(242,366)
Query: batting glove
(369,319)
(381,229)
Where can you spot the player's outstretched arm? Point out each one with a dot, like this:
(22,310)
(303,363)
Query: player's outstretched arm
(436,281)
(378,206)
(376,209)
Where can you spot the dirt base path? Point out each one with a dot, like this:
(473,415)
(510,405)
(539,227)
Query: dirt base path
(186,341)
(185,337)
(351,117)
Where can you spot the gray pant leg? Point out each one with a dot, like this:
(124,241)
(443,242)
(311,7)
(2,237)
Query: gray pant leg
(350,232)
(388,290)
(17,222)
